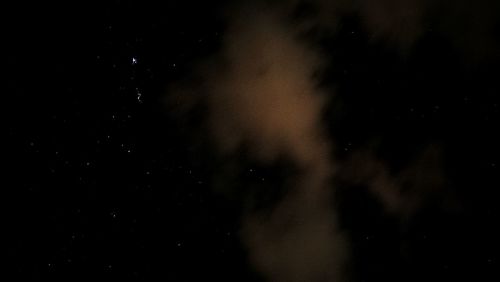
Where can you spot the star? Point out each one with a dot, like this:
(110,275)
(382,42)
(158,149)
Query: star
(139,95)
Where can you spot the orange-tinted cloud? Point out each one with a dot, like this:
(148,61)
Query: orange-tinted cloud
(261,94)
(265,98)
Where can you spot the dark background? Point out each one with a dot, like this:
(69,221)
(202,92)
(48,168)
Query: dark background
(101,182)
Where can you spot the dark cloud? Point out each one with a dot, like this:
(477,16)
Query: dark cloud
(472,27)
(402,193)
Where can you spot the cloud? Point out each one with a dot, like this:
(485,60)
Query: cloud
(470,25)
(260,95)
(403,193)
(265,98)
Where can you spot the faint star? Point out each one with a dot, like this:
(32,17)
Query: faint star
(139,95)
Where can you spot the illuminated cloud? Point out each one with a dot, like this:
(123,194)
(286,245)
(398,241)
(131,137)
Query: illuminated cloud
(265,98)
(260,95)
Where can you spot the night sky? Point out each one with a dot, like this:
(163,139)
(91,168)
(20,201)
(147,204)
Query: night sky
(162,141)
